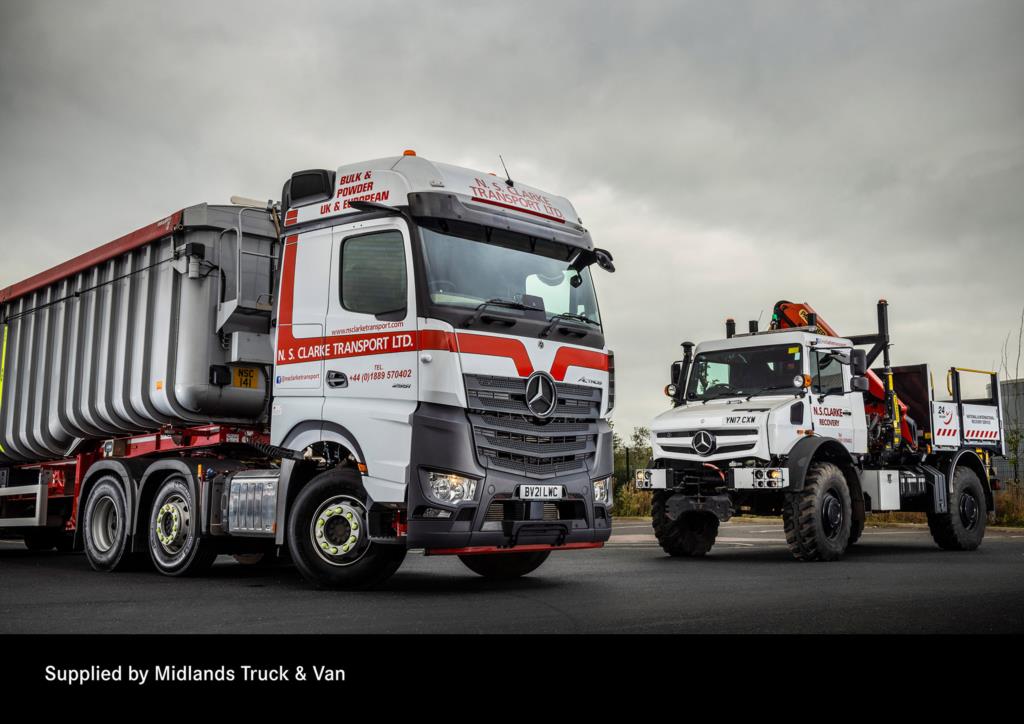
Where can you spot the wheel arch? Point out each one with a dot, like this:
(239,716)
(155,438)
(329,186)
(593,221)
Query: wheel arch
(128,472)
(151,480)
(970,460)
(296,473)
(814,449)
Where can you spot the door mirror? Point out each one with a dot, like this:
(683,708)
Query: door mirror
(858,362)
(677,367)
(859,383)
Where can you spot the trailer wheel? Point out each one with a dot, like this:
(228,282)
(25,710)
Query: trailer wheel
(328,537)
(505,566)
(105,527)
(963,527)
(817,519)
(691,536)
(176,545)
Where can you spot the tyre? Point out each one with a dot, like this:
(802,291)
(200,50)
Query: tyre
(106,528)
(505,566)
(818,519)
(328,536)
(691,536)
(856,529)
(963,527)
(176,544)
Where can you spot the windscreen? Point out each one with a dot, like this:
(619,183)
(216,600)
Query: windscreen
(465,273)
(747,372)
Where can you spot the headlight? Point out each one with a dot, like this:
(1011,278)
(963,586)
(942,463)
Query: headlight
(603,490)
(450,489)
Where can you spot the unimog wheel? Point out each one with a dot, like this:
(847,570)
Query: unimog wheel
(691,536)
(105,527)
(328,535)
(818,519)
(176,544)
(963,527)
(505,566)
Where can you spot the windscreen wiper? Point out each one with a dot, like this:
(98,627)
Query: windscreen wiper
(494,303)
(722,395)
(568,315)
(780,388)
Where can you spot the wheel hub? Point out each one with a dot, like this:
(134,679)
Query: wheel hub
(968,511)
(104,524)
(172,525)
(832,514)
(337,531)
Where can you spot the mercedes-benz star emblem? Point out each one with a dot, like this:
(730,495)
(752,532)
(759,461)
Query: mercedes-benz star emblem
(703,442)
(541,396)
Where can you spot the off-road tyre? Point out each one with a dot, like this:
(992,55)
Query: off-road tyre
(817,520)
(963,527)
(691,536)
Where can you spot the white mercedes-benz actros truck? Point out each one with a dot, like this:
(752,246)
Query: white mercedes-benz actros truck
(399,355)
(793,421)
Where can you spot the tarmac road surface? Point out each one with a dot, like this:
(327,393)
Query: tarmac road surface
(894,581)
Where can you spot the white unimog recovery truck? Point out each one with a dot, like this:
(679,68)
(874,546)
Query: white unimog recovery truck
(400,355)
(792,420)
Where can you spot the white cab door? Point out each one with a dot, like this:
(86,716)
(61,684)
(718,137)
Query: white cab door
(370,369)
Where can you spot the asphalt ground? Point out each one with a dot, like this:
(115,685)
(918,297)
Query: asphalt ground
(895,580)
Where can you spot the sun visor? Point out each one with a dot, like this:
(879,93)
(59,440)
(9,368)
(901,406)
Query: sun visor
(439,205)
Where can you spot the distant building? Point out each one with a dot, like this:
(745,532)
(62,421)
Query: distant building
(1013,418)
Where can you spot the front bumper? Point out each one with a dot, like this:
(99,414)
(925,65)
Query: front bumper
(497,520)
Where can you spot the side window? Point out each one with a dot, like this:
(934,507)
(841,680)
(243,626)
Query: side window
(826,374)
(373,274)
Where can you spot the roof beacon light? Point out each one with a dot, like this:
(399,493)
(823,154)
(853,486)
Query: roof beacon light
(408,152)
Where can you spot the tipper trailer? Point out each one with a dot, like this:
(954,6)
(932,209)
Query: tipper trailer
(793,420)
(400,355)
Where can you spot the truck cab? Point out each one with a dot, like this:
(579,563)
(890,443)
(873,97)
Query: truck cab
(757,396)
(438,331)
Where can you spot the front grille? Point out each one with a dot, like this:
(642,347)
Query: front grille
(730,432)
(508,437)
(687,450)
(680,441)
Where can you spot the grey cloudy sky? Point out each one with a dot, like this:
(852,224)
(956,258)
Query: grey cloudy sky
(729,154)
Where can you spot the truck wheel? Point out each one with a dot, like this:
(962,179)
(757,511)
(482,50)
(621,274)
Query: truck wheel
(691,536)
(817,519)
(176,544)
(963,527)
(328,536)
(105,527)
(505,566)
(856,529)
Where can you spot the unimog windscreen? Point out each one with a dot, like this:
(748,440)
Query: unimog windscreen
(745,372)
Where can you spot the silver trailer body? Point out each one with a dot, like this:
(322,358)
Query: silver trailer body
(149,334)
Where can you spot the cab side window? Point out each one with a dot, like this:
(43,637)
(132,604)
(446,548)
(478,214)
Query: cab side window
(826,374)
(373,275)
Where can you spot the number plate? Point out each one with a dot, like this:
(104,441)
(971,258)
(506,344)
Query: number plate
(246,377)
(540,492)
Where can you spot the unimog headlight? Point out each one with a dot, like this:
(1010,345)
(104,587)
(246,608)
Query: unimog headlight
(603,490)
(450,489)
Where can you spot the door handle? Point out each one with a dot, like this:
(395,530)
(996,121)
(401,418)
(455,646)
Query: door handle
(337,379)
